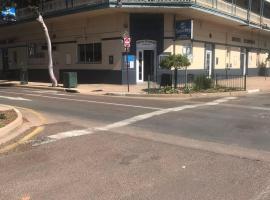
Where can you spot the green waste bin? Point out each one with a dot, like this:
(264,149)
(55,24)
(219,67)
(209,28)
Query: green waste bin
(70,79)
(23,77)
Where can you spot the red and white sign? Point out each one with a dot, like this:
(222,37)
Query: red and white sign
(127,41)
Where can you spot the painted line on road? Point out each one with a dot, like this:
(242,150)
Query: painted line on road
(49,92)
(253,91)
(87,101)
(245,107)
(15,98)
(126,122)
(74,133)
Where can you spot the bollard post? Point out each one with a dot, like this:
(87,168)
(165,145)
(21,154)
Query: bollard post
(148,90)
(245,82)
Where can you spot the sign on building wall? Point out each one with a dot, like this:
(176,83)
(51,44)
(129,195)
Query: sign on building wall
(184,29)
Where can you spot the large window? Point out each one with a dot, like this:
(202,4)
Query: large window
(90,53)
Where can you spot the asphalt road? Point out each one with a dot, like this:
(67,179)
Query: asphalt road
(102,147)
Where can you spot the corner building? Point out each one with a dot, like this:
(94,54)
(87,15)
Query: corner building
(86,35)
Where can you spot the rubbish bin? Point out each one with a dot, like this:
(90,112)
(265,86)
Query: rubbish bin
(70,79)
(24,76)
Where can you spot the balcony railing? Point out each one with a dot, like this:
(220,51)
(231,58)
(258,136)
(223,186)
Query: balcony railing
(58,5)
(215,5)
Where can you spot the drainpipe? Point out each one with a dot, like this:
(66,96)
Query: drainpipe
(249,10)
(174,38)
(261,12)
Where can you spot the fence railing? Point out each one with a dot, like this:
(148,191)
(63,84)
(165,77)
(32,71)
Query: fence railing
(234,82)
(218,81)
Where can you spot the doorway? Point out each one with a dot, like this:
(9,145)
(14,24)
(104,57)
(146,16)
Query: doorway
(148,57)
(146,60)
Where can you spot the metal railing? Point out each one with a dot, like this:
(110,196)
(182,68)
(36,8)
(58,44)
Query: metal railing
(233,82)
(219,5)
(57,5)
(198,81)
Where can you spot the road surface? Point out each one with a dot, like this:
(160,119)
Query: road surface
(102,147)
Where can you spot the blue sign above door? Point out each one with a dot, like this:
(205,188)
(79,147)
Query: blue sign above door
(184,30)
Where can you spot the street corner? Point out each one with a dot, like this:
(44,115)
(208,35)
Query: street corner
(28,124)
(10,120)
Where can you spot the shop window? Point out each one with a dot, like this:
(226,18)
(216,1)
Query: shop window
(34,51)
(90,53)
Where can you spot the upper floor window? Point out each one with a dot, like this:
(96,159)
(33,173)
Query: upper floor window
(249,41)
(90,53)
(236,39)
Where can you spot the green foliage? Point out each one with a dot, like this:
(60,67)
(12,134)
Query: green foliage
(177,61)
(186,90)
(202,82)
(168,90)
(262,70)
(2,116)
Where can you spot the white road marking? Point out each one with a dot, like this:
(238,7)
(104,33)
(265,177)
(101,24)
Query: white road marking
(253,91)
(15,98)
(126,122)
(87,101)
(68,134)
(52,92)
(246,107)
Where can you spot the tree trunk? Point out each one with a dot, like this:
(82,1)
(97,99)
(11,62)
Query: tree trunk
(49,44)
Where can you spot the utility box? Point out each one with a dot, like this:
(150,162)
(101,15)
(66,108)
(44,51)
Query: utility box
(24,77)
(70,79)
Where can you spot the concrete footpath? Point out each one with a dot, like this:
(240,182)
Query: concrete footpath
(9,131)
(27,124)
(254,84)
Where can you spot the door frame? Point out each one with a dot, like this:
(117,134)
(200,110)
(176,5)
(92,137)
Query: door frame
(209,48)
(141,46)
(209,69)
(244,61)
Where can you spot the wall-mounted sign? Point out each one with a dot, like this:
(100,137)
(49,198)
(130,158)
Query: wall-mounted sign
(130,59)
(146,44)
(184,29)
